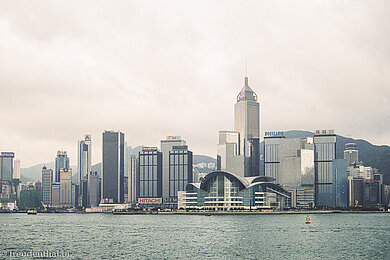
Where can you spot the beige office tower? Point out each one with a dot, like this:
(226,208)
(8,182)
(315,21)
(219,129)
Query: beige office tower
(132,179)
(166,146)
(66,187)
(16,169)
(247,124)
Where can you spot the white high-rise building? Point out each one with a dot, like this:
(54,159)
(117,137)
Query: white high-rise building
(360,171)
(229,158)
(289,160)
(351,154)
(166,147)
(47,180)
(132,179)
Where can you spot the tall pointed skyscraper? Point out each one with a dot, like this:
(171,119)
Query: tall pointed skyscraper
(84,166)
(247,123)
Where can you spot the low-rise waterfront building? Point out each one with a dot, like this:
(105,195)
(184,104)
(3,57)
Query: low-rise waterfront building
(221,190)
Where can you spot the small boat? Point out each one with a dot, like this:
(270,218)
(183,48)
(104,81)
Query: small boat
(307,220)
(31,212)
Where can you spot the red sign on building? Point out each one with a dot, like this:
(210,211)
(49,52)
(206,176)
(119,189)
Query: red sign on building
(150,200)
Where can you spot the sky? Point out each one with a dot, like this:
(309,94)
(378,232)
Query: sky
(157,68)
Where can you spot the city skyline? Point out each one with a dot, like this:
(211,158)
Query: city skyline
(83,74)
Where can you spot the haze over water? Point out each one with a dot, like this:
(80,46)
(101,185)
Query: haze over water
(91,236)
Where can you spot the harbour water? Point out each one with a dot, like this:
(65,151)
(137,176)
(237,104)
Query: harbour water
(105,236)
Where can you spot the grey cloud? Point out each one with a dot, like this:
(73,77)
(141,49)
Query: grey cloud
(155,68)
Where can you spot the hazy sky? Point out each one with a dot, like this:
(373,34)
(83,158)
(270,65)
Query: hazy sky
(158,68)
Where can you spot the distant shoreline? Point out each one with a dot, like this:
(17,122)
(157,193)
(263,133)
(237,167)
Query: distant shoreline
(215,213)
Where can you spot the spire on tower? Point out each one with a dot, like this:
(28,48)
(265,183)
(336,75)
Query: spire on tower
(246,93)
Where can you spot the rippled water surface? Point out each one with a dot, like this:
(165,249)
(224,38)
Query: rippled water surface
(105,236)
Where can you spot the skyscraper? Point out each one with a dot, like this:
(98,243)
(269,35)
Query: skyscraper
(165,147)
(93,189)
(340,183)
(289,160)
(228,153)
(61,162)
(132,174)
(66,187)
(84,158)
(7,166)
(149,175)
(351,154)
(16,169)
(324,154)
(113,167)
(247,123)
(47,179)
(180,171)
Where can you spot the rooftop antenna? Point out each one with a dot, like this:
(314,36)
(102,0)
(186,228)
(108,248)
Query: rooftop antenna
(246,67)
(246,71)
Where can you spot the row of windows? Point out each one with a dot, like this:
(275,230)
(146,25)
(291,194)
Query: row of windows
(148,173)
(178,159)
(146,160)
(272,153)
(175,186)
(324,172)
(148,188)
(325,151)
(180,173)
(272,170)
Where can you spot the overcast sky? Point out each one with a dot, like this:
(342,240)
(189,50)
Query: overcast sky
(158,68)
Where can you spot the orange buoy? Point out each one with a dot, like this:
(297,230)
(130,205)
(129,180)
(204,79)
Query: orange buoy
(307,220)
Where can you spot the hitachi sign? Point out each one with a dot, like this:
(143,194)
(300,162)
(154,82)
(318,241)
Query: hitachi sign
(150,200)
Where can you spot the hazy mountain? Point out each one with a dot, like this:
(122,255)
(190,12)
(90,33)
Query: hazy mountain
(34,173)
(203,159)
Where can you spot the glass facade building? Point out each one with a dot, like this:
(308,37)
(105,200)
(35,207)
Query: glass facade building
(61,162)
(221,190)
(149,175)
(165,147)
(6,166)
(180,169)
(324,154)
(113,167)
(340,183)
(84,158)
(93,189)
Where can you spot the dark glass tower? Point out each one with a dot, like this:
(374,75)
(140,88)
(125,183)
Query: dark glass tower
(324,154)
(113,167)
(62,162)
(180,169)
(149,174)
